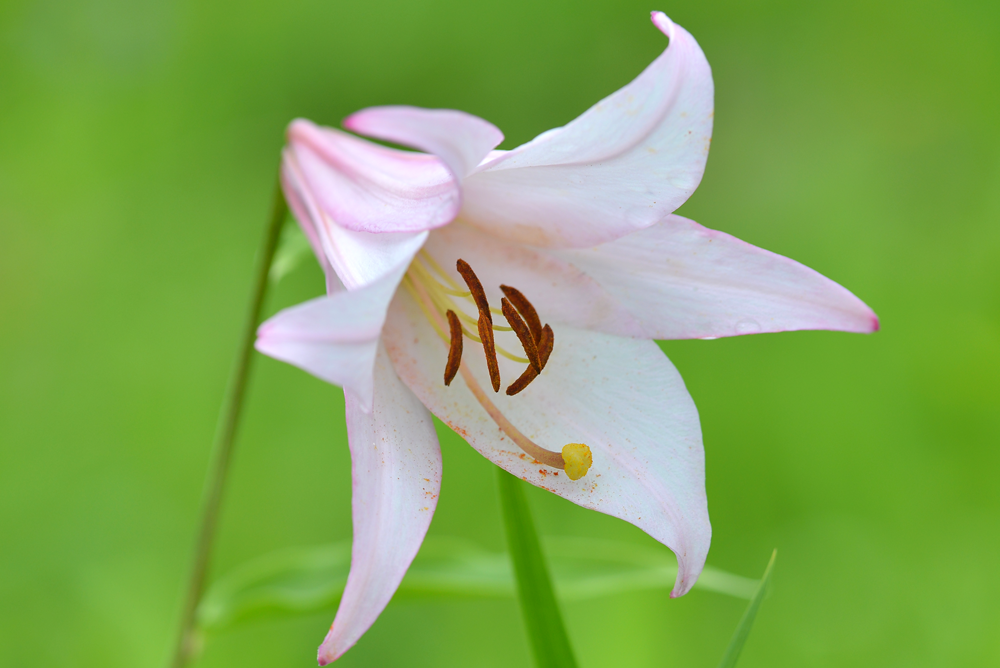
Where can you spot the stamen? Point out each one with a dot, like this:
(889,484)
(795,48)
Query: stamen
(454,290)
(440,270)
(500,349)
(485,320)
(523,334)
(455,348)
(472,321)
(476,288)
(489,347)
(437,301)
(574,454)
(544,350)
(545,345)
(525,308)
(411,287)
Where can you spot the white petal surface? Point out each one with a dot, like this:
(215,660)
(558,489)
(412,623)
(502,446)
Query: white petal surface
(396,479)
(684,281)
(625,163)
(365,187)
(620,396)
(562,293)
(333,337)
(459,139)
(349,258)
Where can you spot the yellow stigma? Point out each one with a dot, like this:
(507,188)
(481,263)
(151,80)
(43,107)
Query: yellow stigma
(578,460)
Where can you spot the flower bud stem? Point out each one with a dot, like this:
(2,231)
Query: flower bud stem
(186,647)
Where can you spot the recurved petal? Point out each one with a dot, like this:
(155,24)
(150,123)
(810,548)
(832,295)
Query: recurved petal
(350,259)
(365,187)
(683,281)
(304,209)
(459,139)
(333,337)
(620,396)
(625,163)
(355,258)
(396,478)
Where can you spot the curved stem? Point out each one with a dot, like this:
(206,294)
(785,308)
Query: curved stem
(187,642)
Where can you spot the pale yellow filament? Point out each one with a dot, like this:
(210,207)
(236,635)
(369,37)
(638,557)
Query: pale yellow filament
(456,289)
(575,458)
(443,303)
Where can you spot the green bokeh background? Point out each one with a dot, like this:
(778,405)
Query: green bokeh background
(139,142)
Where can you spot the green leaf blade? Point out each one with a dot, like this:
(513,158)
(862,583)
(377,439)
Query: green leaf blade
(746,622)
(301,580)
(549,641)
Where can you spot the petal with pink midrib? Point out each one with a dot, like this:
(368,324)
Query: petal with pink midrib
(396,479)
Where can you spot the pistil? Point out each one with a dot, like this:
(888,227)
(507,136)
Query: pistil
(575,458)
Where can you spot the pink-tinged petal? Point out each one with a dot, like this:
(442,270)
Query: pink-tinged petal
(461,140)
(620,396)
(333,337)
(396,479)
(625,163)
(365,187)
(560,292)
(304,209)
(350,259)
(684,281)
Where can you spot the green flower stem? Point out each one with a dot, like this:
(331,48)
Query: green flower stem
(187,642)
(546,632)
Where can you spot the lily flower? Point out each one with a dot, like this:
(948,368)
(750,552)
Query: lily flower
(574,229)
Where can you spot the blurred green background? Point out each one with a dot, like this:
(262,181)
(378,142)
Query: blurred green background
(139,142)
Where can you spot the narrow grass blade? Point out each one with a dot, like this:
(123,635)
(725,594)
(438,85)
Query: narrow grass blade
(746,623)
(546,632)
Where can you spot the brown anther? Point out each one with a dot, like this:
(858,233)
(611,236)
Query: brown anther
(544,350)
(476,288)
(545,345)
(526,310)
(523,334)
(455,349)
(486,334)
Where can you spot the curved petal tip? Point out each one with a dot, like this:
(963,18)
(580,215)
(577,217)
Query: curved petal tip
(366,187)
(663,22)
(459,139)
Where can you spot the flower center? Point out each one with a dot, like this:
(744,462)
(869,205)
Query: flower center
(435,291)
